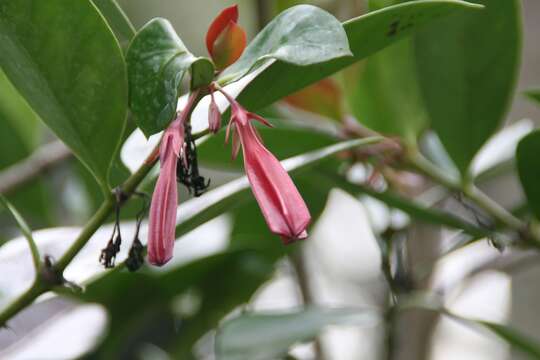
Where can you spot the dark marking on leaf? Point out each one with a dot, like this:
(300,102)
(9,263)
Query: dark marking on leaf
(406,26)
(394,27)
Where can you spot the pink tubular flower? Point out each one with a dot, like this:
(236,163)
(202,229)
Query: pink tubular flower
(162,223)
(282,205)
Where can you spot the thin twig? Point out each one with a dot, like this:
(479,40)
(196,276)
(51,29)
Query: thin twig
(42,159)
(470,191)
(298,262)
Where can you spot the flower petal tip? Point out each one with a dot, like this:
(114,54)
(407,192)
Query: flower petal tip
(158,261)
(289,240)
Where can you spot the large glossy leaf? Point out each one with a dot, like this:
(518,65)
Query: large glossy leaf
(117,20)
(69,68)
(467,68)
(528,165)
(157,62)
(387,98)
(260,336)
(367,34)
(302,35)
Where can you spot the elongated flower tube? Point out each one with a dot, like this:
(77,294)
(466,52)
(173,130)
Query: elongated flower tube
(281,204)
(225,39)
(162,223)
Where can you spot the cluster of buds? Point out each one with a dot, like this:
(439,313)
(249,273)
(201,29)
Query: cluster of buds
(281,204)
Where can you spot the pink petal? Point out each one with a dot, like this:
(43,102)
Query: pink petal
(282,205)
(235,146)
(214,117)
(162,223)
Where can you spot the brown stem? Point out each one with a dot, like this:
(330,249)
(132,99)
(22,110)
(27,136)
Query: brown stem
(41,160)
(300,268)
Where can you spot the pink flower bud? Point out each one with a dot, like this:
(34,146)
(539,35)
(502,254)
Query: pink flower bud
(162,223)
(281,204)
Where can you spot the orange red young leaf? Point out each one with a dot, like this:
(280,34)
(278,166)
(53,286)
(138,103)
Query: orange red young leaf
(225,39)
(322,98)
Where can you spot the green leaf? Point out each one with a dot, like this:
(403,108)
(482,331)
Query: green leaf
(20,132)
(69,68)
(302,35)
(15,111)
(19,220)
(31,198)
(215,153)
(534,95)
(157,62)
(517,340)
(467,68)
(25,229)
(367,34)
(528,166)
(387,98)
(117,20)
(258,336)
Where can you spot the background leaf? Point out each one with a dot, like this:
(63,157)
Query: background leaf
(69,68)
(20,132)
(534,95)
(467,68)
(117,20)
(324,98)
(157,62)
(302,35)
(31,198)
(387,97)
(261,336)
(528,166)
